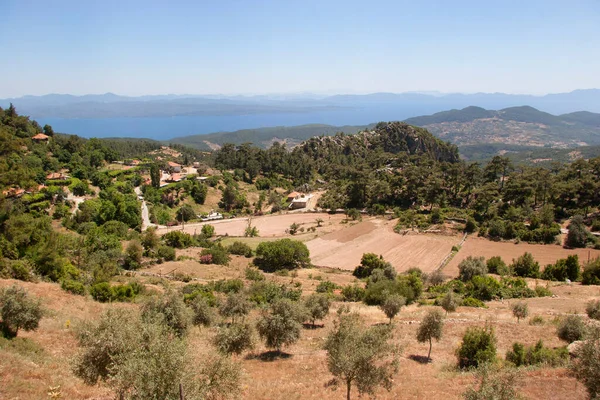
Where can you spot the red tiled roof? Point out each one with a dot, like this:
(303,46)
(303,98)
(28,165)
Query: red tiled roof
(173,164)
(40,136)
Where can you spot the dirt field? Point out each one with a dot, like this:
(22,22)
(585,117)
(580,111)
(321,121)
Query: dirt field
(544,254)
(268,225)
(34,361)
(344,248)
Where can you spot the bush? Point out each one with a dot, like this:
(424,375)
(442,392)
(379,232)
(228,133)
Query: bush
(73,286)
(484,288)
(202,312)
(353,293)
(263,292)
(282,254)
(217,254)
(591,273)
(593,309)
(208,230)
(450,302)
(571,328)
(471,225)
(577,236)
(563,269)
(526,267)
(240,249)
(166,253)
(537,320)
(234,339)
(586,365)
(408,286)
(478,347)
(494,385)
(178,239)
(18,311)
(369,263)
(326,287)
(236,305)
(254,274)
(520,310)
(102,292)
(471,302)
(470,267)
(170,310)
(535,355)
(496,265)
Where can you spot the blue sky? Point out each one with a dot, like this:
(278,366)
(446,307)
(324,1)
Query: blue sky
(283,46)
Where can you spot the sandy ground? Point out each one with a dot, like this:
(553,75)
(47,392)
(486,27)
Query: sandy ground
(344,249)
(544,254)
(268,225)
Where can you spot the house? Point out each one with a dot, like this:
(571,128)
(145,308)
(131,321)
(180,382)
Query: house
(14,192)
(212,216)
(173,178)
(57,175)
(40,137)
(132,163)
(196,164)
(173,166)
(292,196)
(301,201)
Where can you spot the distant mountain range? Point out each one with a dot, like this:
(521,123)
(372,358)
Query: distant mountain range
(396,106)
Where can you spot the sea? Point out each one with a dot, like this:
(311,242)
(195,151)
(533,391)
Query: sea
(165,128)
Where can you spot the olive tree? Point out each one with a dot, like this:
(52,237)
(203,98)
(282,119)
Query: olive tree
(317,306)
(236,305)
(170,309)
(494,385)
(470,267)
(281,324)
(360,355)
(234,339)
(392,304)
(431,328)
(18,311)
(520,310)
(450,302)
(282,254)
(586,365)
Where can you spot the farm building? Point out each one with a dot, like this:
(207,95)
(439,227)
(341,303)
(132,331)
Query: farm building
(301,201)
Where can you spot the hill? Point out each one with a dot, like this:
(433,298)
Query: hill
(264,137)
(514,126)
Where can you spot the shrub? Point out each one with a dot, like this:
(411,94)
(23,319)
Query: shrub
(526,267)
(282,254)
(73,286)
(593,309)
(208,230)
(391,305)
(494,385)
(408,286)
(520,310)
(496,265)
(586,365)
(537,320)
(368,263)
(471,302)
(317,305)
(541,291)
(478,347)
(240,249)
(571,328)
(470,267)
(218,255)
(202,312)
(591,273)
(170,310)
(18,311)
(254,274)
(178,239)
(563,269)
(227,285)
(102,292)
(167,253)
(133,255)
(282,324)
(577,236)
(535,355)
(326,287)
(353,293)
(484,288)
(263,292)
(234,339)
(471,225)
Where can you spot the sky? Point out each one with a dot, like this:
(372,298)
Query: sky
(143,47)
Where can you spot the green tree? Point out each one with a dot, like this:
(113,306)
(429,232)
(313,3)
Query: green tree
(450,302)
(470,267)
(392,304)
(281,324)
(520,310)
(494,385)
(282,254)
(360,355)
(478,347)
(18,311)
(185,213)
(431,327)
(155,176)
(526,266)
(234,338)
(586,365)
(170,310)
(317,305)
(208,230)
(577,236)
(202,312)
(235,305)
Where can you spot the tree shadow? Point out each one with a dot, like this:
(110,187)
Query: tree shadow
(270,355)
(420,359)
(311,326)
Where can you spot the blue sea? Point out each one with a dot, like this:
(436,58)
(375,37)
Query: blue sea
(165,128)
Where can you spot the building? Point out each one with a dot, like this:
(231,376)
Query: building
(292,196)
(301,201)
(212,216)
(173,166)
(132,163)
(173,178)
(40,137)
(57,176)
